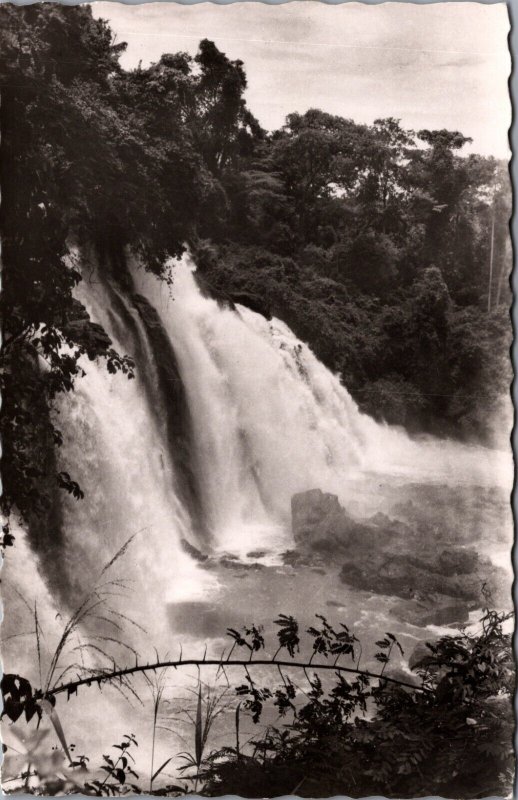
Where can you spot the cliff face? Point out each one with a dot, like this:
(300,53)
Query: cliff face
(161,378)
(174,402)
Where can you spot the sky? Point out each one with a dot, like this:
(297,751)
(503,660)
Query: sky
(442,65)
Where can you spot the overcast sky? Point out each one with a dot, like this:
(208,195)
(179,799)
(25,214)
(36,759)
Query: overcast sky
(432,66)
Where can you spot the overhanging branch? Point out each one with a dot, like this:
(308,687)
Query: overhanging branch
(72,686)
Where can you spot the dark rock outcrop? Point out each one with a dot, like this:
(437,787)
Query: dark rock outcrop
(316,515)
(174,405)
(143,330)
(193,551)
(435,610)
(230,298)
(439,583)
(85,333)
(457,562)
(409,577)
(321,524)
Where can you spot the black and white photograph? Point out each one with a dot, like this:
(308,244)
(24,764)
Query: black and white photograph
(256,409)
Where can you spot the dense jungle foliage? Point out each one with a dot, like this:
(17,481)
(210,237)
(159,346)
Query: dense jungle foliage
(385,249)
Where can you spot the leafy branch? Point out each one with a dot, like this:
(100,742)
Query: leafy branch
(326,642)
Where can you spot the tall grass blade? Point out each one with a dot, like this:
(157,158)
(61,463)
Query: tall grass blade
(238,709)
(159,770)
(56,722)
(37,632)
(119,553)
(198,731)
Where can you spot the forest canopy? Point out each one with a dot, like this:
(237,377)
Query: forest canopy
(386,250)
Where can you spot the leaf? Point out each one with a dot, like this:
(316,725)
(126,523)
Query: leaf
(288,634)
(159,770)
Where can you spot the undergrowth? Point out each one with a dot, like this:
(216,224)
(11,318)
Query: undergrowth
(446,724)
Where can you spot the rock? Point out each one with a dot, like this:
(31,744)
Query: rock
(392,527)
(408,577)
(457,562)
(257,554)
(84,332)
(174,409)
(411,611)
(320,523)
(388,557)
(193,551)
(316,513)
(232,563)
(445,615)
(294,558)
(229,298)
(438,610)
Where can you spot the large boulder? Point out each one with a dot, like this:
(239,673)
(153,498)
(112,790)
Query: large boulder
(408,577)
(315,514)
(457,562)
(436,610)
(446,614)
(320,523)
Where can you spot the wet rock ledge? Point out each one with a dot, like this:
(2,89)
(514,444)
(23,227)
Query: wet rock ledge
(434,581)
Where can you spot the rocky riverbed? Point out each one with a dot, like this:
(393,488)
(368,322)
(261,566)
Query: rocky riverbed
(429,572)
(439,575)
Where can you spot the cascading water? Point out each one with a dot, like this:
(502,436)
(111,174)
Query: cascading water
(264,419)
(270,420)
(228,416)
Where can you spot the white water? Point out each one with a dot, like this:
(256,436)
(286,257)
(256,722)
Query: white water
(268,420)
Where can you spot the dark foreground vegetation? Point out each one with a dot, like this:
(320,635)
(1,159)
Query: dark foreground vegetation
(339,729)
(385,249)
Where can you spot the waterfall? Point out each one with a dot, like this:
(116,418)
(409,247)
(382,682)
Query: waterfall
(228,416)
(270,420)
(118,442)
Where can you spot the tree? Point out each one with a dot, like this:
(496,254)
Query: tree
(318,156)
(382,191)
(223,126)
(47,50)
